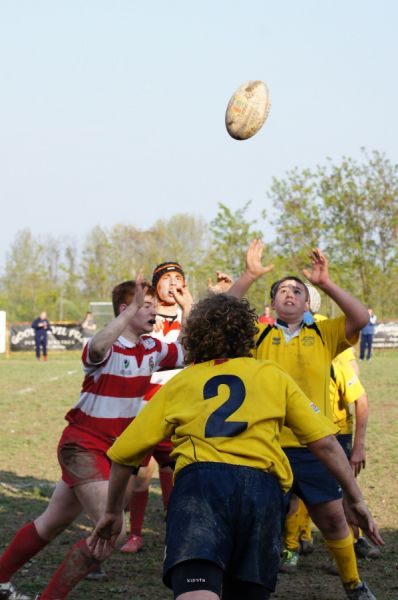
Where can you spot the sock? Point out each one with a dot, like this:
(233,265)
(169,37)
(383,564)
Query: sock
(166,483)
(26,544)
(304,523)
(138,503)
(76,565)
(292,532)
(346,562)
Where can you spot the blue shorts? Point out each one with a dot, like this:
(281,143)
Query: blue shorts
(345,441)
(229,515)
(313,483)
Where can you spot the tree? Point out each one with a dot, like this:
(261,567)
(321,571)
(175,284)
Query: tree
(350,210)
(31,280)
(361,219)
(298,222)
(232,234)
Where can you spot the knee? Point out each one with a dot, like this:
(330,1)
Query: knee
(331,522)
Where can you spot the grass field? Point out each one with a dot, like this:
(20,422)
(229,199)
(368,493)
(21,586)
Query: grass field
(34,398)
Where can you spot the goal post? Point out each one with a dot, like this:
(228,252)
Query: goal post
(102,313)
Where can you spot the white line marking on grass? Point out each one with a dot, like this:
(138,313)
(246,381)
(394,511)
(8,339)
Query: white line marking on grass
(56,378)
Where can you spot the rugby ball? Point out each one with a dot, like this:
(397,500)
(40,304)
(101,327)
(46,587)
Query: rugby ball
(247,110)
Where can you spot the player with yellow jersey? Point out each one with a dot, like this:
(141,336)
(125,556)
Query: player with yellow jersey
(306,351)
(224,414)
(350,404)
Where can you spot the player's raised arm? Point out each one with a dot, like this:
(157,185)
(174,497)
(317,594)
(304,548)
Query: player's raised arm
(103,340)
(355,312)
(254,270)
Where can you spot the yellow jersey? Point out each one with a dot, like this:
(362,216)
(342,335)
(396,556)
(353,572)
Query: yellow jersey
(227,411)
(346,357)
(345,389)
(306,356)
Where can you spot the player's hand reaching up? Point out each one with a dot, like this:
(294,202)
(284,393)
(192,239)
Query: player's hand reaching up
(319,274)
(254,266)
(222,285)
(140,291)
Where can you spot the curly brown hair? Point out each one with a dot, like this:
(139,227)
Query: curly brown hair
(219,326)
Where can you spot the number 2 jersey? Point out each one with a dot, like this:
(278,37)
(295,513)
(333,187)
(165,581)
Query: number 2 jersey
(113,391)
(227,411)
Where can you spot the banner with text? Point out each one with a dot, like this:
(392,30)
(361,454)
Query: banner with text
(386,335)
(62,337)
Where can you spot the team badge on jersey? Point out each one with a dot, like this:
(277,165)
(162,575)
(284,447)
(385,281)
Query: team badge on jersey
(126,370)
(308,341)
(276,341)
(148,343)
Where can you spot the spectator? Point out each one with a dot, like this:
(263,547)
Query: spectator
(266,317)
(41,327)
(367,334)
(89,327)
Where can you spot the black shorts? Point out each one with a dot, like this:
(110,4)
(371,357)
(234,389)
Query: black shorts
(313,483)
(229,515)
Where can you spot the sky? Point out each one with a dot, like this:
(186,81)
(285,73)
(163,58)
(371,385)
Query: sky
(113,111)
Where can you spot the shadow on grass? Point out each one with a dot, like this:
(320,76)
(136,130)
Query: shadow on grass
(137,576)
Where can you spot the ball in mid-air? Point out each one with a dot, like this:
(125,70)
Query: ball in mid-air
(247,110)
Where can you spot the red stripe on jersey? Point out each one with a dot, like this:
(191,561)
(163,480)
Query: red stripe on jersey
(117,386)
(93,428)
(170,361)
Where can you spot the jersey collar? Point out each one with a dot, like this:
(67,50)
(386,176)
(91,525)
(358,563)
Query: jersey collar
(125,342)
(287,334)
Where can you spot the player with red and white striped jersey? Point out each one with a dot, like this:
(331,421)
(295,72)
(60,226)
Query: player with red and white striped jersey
(118,363)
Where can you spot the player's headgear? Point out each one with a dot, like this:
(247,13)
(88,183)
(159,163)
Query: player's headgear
(163,268)
(315,299)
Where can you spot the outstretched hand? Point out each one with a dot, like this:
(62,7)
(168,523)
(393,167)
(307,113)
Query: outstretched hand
(222,285)
(358,514)
(319,274)
(102,540)
(254,266)
(140,290)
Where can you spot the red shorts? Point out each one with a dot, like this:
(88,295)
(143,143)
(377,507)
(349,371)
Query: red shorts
(82,457)
(82,465)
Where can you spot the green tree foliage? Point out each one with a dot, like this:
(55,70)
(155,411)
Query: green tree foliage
(298,223)
(31,280)
(350,210)
(41,274)
(232,233)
